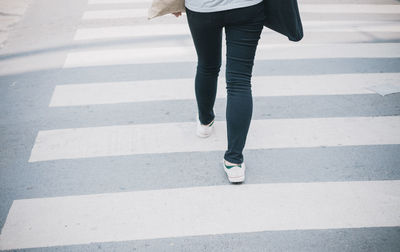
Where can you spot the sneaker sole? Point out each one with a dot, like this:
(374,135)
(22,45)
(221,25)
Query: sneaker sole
(236,179)
(202,135)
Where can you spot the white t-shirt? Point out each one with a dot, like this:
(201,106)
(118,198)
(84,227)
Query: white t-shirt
(218,5)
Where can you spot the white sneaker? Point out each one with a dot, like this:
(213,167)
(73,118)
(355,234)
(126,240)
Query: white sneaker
(236,173)
(204,130)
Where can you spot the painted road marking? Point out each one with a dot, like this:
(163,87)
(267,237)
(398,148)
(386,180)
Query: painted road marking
(183,29)
(351,8)
(264,52)
(140,215)
(114,14)
(263,134)
(131,31)
(304,8)
(118,1)
(178,89)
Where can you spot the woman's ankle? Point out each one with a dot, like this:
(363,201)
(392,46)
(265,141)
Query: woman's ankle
(229,163)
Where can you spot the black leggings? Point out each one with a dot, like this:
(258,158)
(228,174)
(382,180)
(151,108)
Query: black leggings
(243,27)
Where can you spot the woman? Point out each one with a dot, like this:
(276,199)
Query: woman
(243,22)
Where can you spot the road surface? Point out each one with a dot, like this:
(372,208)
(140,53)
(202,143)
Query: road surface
(99,152)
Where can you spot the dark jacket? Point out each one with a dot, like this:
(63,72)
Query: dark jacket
(283,16)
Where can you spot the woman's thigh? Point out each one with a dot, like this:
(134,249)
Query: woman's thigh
(206,31)
(242,36)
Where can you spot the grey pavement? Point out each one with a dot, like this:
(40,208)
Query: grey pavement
(31,65)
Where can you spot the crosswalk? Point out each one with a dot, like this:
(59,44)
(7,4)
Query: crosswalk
(304,8)
(213,209)
(190,211)
(155,138)
(182,29)
(181,89)
(128,56)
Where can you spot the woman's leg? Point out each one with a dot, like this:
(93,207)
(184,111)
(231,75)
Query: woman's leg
(241,41)
(207,38)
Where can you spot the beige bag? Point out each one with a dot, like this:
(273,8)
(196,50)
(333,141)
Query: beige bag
(163,7)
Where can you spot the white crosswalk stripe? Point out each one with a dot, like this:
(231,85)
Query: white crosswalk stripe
(350,8)
(183,29)
(108,14)
(131,31)
(264,52)
(304,8)
(157,138)
(190,211)
(175,89)
(117,1)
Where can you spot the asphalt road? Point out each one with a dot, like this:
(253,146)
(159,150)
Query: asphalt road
(98,152)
